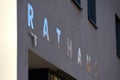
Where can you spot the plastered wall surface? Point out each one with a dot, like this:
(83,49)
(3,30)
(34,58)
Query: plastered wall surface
(8,40)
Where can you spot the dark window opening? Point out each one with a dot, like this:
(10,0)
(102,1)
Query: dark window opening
(92,12)
(118,36)
(40,69)
(48,74)
(78,3)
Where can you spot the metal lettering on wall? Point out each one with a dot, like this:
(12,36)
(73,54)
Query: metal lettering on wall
(30,16)
(59,34)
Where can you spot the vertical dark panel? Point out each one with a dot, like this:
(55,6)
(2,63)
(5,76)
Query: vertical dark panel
(92,10)
(118,36)
(78,1)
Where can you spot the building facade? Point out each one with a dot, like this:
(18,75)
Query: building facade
(67,40)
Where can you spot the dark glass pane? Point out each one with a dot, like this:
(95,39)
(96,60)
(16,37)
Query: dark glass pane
(118,36)
(92,10)
(78,1)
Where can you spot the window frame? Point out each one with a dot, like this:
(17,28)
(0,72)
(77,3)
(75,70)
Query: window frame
(92,12)
(78,4)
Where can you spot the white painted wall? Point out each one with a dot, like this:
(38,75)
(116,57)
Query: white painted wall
(8,39)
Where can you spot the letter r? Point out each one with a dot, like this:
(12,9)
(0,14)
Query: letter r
(30,16)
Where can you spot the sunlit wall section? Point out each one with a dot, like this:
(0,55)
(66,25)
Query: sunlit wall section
(8,39)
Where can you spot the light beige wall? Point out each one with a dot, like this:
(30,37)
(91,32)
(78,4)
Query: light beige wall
(8,39)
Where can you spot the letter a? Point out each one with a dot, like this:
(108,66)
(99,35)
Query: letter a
(45,29)
(79,57)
